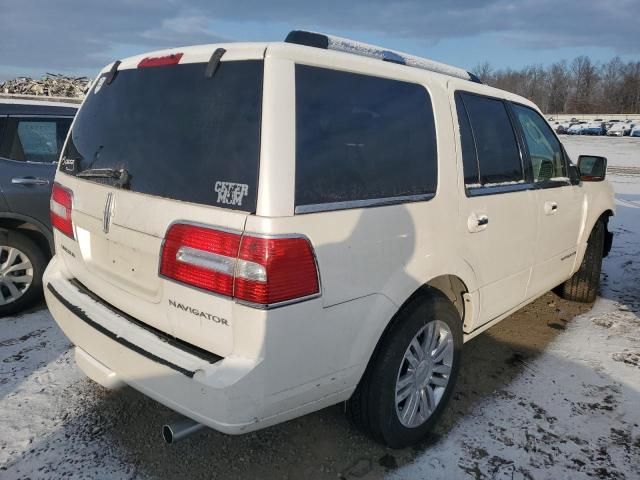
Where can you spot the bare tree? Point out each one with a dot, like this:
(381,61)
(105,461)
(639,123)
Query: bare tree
(558,82)
(579,87)
(484,72)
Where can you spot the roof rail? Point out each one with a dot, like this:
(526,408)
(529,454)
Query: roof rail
(331,42)
(41,98)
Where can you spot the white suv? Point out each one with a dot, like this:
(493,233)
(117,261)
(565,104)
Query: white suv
(251,232)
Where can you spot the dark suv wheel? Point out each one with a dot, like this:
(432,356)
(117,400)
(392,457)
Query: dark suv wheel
(22,264)
(408,383)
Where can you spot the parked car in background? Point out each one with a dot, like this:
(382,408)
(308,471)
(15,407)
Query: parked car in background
(635,131)
(563,127)
(576,128)
(32,133)
(620,129)
(305,224)
(611,123)
(594,128)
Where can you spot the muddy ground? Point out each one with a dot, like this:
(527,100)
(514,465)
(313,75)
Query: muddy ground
(92,424)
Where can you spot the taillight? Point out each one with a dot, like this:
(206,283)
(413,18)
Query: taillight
(200,257)
(60,207)
(289,266)
(258,270)
(172,59)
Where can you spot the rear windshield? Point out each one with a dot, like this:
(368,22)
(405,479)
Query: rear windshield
(175,133)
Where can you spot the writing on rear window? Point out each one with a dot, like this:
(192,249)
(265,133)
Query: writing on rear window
(230,193)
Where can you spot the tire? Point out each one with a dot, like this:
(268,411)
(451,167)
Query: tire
(584,284)
(15,294)
(373,407)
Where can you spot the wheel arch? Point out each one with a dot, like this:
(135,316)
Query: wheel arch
(34,229)
(602,217)
(450,286)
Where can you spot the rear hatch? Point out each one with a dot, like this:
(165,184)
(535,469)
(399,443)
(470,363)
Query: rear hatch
(162,142)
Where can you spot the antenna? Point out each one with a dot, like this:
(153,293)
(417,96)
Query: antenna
(331,42)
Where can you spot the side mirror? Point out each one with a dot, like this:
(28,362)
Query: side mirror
(592,168)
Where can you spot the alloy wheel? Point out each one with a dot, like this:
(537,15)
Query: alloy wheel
(424,373)
(16,274)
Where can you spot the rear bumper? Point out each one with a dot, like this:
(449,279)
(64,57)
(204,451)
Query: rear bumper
(113,352)
(231,394)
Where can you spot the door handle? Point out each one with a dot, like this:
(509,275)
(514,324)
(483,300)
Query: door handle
(550,208)
(477,222)
(29,181)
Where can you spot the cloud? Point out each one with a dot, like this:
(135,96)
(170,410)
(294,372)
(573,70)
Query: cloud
(80,35)
(176,31)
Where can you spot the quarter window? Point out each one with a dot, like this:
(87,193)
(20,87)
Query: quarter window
(34,139)
(544,148)
(493,158)
(469,157)
(360,137)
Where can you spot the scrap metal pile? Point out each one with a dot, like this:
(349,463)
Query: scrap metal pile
(50,85)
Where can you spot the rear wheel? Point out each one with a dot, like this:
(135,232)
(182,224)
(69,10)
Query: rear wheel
(584,284)
(22,264)
(409,381)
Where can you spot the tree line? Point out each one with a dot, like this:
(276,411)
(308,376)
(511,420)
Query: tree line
(580,86)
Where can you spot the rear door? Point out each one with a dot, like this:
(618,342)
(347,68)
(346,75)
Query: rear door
(497,220)
(159,145)
(559,204)
(29,150)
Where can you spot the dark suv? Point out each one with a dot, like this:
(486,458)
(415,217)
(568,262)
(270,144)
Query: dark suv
(32,133)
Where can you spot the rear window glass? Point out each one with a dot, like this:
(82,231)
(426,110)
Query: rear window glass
(360,137)
(176,133)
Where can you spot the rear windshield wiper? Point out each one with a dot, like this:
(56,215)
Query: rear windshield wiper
(121,177)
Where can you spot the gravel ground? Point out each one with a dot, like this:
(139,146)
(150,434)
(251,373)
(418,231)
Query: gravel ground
(551,392)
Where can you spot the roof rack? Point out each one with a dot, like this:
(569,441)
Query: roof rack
(331,42)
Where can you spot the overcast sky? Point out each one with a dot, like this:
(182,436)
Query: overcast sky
(79,37)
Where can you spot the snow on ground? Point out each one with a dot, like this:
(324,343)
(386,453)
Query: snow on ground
(574,412)
(43,398)
(551,392)
(620,151)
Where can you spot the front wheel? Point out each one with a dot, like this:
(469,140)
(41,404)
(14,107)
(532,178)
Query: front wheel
(584,284)
(410,379)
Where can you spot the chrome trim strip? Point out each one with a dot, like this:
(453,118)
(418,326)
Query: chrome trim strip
(260,306)
(45,116)
(209,260)
(373,202)
(479,191)
(106,213)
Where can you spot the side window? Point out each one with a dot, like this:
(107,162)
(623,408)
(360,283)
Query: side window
(469,156)
(34,139)
(496,151)
(544,148)
(3,127)
(360,137)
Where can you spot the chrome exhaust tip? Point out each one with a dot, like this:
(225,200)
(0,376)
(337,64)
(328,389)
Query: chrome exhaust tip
(179,429)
